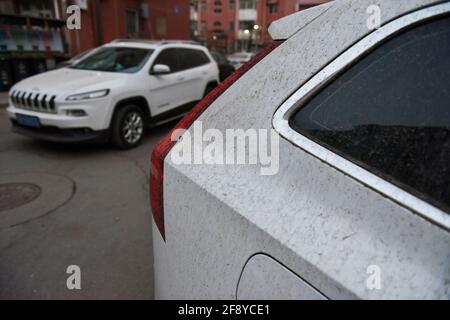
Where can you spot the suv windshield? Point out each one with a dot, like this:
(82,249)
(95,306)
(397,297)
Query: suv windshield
(113,59)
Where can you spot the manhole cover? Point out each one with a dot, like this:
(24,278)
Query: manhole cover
(13,195)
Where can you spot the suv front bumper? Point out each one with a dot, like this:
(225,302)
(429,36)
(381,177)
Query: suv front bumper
(55,134)
(59,127)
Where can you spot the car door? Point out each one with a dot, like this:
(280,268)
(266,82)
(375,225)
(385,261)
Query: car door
(194,64)
(166,91)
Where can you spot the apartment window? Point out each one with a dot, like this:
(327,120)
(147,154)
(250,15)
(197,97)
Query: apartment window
(132,23)
(232,4)
(25,5)
(217,11)
(43,4)
(217,24)
(7,7)
(217,3)
(246,25)
(203,26)
(231,26)
(247,4)
(204,6)
(161,26)
(273,8)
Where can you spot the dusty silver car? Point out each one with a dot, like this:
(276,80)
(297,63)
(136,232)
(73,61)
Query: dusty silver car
(356,96)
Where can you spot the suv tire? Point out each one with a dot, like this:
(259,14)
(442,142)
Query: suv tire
(127,127)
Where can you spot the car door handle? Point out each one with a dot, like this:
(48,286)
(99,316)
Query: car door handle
(180,78)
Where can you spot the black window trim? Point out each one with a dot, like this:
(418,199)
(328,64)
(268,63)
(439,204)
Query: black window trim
(328,74)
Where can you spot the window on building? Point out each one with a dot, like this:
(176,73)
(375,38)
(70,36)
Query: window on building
(217,3)
(25,5)
(217,11)
(204,6)
(203,26)
(132,23)
(217,24)
(232,4)
(247,4)
(161,26)
(7,7)
(246,25)
(389,112)
(231,26)
(273,8)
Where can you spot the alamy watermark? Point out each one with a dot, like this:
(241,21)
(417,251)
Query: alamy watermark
(73,282)
(373,281)
(73,21)
(234,147)
(374,17)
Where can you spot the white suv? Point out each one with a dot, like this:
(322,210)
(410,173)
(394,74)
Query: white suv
(114,93)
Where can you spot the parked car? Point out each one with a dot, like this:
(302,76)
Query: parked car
(359,206)
(225,67)
(239,58)
(115,93)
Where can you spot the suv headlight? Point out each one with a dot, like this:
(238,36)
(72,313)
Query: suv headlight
(88,95)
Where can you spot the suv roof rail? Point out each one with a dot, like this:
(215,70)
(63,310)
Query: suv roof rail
(163,42)
(158,42)
(135,40)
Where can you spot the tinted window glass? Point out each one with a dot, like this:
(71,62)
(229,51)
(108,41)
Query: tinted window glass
(390,112)
(114,59)
(170,58)
(191,58)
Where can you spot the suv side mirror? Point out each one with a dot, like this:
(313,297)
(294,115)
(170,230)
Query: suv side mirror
(160,69)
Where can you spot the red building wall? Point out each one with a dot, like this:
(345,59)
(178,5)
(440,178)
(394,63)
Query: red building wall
(172,14)
(220,35)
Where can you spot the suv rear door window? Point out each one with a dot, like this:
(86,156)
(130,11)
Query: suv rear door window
(169,57)
(390,112)
(191,58)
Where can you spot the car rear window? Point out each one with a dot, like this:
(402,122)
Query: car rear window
(390,112)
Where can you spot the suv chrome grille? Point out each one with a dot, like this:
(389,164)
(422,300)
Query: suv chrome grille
(39,102)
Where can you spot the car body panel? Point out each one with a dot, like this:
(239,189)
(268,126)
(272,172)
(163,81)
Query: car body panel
(264,278)
(319,222)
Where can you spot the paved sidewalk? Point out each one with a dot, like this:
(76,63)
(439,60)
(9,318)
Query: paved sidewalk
(3,99)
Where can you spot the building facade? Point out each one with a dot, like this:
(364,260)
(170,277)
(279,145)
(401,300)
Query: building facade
(214,23)
(272,10)
(31,38)
(105,20)
(240,25)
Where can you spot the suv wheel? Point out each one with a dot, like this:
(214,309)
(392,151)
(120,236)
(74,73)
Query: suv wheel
(128,127)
